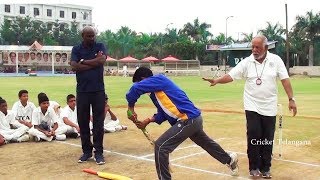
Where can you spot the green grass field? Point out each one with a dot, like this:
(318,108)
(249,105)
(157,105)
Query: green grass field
(223,118)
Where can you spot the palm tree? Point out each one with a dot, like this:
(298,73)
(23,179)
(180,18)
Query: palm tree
(197,31)
(275,33)
(247,37)
(308,27)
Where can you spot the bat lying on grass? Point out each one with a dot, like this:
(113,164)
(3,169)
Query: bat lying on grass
(106,175)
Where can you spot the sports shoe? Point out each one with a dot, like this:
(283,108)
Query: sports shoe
(254,173)
(84,158)
(23,138)
(60,137)
(234,164)
(73,135)
(36,138)
(99,159)
(266,175)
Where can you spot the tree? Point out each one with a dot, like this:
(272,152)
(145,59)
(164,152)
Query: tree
(6,32)
(275,33)
(308,27)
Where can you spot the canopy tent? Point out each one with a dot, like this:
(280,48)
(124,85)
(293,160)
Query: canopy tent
(131,64)
(150,59)
(170,59)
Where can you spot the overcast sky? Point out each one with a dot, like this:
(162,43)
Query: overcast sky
(155,15)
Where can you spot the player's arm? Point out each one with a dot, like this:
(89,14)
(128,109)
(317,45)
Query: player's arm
(98,61)
(68,122)
(54,128)
(113,116)
(288,88)
(47,133)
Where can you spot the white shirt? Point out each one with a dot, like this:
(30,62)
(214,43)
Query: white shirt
(50,117)
(260,98)
(6,120)
(23,112)
(70,114)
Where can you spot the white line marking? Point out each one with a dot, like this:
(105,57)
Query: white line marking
(190,155)
(210,172)
(180,148)
(298,162)
(150,160)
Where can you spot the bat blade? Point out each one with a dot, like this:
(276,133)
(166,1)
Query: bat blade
(112,176)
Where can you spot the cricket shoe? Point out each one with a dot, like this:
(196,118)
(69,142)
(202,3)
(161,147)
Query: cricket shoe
(234,164)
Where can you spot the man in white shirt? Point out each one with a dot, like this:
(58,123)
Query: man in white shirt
(45,122)
(261,71)
(6,128)
(69,117)
(23,110)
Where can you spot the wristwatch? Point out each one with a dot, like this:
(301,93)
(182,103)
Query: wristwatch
(292,99)
(81,61)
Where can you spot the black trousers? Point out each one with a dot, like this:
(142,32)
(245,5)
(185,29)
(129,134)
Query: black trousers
(260,135)
(97,101)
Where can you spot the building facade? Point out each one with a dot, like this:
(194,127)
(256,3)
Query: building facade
(49,13)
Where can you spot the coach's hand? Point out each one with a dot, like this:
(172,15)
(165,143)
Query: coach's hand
(293,107)
(211,81)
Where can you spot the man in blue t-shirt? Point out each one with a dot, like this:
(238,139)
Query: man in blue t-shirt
(174,106)
(87,59)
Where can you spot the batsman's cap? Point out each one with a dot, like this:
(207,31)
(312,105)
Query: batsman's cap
(42,97)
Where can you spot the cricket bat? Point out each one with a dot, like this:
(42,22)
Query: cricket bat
(106,175)
(146,134)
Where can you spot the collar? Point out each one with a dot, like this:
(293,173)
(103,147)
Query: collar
(20,104)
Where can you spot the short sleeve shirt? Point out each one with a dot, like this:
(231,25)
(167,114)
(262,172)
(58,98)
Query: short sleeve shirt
(70,114)
(50,117)
(261,98)
(90,80)
(23,112)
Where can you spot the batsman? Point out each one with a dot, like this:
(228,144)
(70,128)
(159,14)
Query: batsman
(174,106)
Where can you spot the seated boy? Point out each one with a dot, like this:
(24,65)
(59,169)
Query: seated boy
(23,110)
(111,122)
(69,117)
(45,122)
(7,130)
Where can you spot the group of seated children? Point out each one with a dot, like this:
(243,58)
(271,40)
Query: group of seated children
(47,122)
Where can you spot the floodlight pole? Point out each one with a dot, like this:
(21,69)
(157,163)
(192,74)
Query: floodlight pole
(226,42)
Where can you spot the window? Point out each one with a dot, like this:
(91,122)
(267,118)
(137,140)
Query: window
(62,14)
(7,8)
(62,26)
(49,12)
(85,15)
(36,12)
(74,15)
(49,26)
(22,10)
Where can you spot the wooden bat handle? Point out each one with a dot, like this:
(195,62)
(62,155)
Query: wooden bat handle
(90,171)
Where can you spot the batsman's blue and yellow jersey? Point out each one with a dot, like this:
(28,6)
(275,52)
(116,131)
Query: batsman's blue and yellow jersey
(172,103)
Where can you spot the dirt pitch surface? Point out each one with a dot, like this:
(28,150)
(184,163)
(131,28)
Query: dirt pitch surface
(128,153)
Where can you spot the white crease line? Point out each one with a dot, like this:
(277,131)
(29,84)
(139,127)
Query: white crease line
(150,160)
(190,155)
(210,172)
(186,147)
(298,162)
